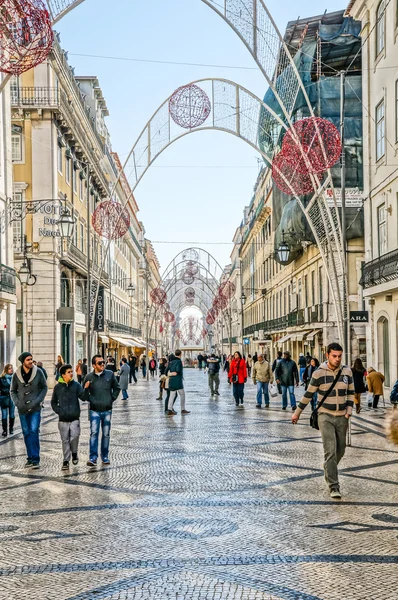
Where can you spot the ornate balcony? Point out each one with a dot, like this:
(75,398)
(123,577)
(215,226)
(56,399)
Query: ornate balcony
(7,280)
(380,270)
(35,97)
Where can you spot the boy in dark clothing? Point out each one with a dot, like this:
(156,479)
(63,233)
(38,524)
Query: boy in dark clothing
(65,402)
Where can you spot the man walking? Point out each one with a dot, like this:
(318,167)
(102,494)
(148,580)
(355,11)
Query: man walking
(302,363)
(335,386)
(176,383)
(274,365)
(101,389)
(28,391)
(213,364)
(65,403)
(84,368)
(286,374)
(132,364)
(262,376)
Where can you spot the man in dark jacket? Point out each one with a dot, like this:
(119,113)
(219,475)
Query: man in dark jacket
(101,389)
(132,364)
(40,365)
(213,364)
(28,391)
(84,368)
(65,402)
(176,382)
(286,374)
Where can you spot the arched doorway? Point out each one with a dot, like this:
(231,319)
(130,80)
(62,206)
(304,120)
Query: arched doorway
(383,346)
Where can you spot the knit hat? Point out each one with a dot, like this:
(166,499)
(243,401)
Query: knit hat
(24,356)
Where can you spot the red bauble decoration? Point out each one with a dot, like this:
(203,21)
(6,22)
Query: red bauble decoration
(318,139)
(161,328)
(188,279)
(204,333)
(111,220)
(227,290)
(191,268)
(169,317)
(209,319)
(26,35)
(189,106)
(220,303)
(158,296)
(190,293)
(300,182)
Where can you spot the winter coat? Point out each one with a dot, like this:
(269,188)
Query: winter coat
(375,383)
(132,363)
(152,364)
(5,385)
(308,374)
(84,370)
(302,362)
(262,372)
(238,367)
(359,381)
(249,362)
(213,365)
(124,376)
(65,400)
(162,368)
(102,391)
(176,381)
(28,397)
(286,372)
(394,394)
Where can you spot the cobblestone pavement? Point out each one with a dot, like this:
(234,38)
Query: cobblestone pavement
(219,504)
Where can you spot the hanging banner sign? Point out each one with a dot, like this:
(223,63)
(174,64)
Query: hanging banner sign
(97,313)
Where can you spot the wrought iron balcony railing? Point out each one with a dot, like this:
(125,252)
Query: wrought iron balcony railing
(7,279)
(380,270)
(120,328)
(42,97)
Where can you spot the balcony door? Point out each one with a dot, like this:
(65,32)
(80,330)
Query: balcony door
(383,345)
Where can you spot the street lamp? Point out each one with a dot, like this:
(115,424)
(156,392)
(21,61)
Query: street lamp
(243,298)
(283,251)
(25,273)
(131,290)
(66,224)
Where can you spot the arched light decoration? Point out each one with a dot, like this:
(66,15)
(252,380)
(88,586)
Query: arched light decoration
(111,220)
(318,139)
(26,35)
(290,178)
(189,106)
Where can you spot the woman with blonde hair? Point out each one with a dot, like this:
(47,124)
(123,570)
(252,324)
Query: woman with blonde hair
(6,403)
(58,365)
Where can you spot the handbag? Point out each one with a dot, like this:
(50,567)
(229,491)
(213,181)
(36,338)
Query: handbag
(314,416)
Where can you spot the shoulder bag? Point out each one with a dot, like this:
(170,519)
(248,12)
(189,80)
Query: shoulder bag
(314,416)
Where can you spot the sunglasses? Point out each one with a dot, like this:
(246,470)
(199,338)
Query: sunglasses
(100,363)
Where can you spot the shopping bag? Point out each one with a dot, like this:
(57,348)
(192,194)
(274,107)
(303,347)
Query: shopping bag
(273,390)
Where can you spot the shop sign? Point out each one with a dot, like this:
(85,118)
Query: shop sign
(359,316)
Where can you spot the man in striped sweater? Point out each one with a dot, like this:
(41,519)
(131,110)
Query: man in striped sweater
(334,413)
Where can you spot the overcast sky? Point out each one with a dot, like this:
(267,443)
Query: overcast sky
(196,190)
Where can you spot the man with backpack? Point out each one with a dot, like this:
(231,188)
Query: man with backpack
(213,365)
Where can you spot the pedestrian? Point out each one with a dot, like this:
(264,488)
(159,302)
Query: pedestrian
(238,376)
(58,365)
(204,362)
(375,381)
(309,370)
(262,377)
(274,365)
(101,389)
(162,377)
(302,364)
(213,365)
(121,360)
(124,376)
(176,382)
(132,364)
(286,374)
(40,365)
(227,363)
(334,383)
(78,370)
(111,364)
(84,368)
(200,361)
(168,405)
(255,358)
(28,391)
(249,364)
(65,403)
(308,358)
(152,367)
(359,376)
(6,403)
(143,365)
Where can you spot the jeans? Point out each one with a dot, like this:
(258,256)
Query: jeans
(9,411)
(302,371)
(143,372)
(334,431)
(124,394)
(97,419)
(214,379)
(30,424)
(285,388)
(238,390)
(70,434)
(262,388)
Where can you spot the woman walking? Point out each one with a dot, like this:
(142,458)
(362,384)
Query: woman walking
(7,405)
(249,364)
(162,377)
(58,365)
(124,376)
(227,363)
(313,365)
(238,376)
(78,370)
(375,381)
(359,374)
(152,367)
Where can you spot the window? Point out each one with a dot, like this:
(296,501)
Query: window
(65,291)
(382,229)
(320,276)
(79,305)
(68,167)
(81,188)
(75,175)
(380,27)
(82,237)
(299,293)
(313,299)
(396,110)
(60,159)
(18,224)
(16,143)
(380,131)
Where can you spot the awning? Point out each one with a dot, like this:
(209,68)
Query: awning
(299,336)
(104,339)
(138,343)
(122,341)
(283,339)
(312,334)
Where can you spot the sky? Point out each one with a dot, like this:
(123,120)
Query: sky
(195,192)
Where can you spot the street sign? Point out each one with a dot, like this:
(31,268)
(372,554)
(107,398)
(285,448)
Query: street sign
(359,316)
(246,341)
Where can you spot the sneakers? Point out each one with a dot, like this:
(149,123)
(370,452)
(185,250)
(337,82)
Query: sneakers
(28,464)
(185,412)
(75,459)
(283,407)
(35,465)
(91,463)
(4,434)
(294,408)
(335,494)
(258,405)
(106,461)
(216,393)
(266,406)
(170,413)
(65,465)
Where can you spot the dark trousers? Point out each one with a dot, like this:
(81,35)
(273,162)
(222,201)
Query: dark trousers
(132,375)
(238,390)
(376,400)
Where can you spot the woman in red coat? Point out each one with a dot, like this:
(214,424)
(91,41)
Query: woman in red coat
(238,376)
